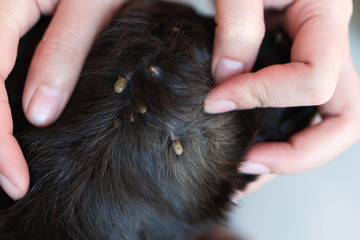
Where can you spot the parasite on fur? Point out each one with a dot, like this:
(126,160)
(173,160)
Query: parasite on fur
(178,149)
(175,29)
(132,117)
(152,69)
(142,109)
(120,84)
(117,123)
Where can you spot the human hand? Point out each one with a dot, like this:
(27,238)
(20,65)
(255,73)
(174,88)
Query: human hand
(319,30)
(53,72)
(322,141)
(321,72)
(317,144)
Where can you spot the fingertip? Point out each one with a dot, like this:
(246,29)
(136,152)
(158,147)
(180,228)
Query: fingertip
(267,157)
(9,188)
(44,106)
(15,192)
(14,173)
(254,168)
(233,94)
(238,35)
(226,68)
(23,184)
(219,106)
(253,186)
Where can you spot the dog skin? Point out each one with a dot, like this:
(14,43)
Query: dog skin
(134,156)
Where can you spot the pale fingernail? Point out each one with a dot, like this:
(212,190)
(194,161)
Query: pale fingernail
(9,188)
(254,168)
(227,68)
(219,106)
(44,105)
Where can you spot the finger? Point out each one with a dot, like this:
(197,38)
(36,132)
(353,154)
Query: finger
(347,95)
(307,150)
(16,18)
(47,7)
(14,175)
(277,4)
(60,56)
(320,33)
(238,35)
(254,186)
(320,143)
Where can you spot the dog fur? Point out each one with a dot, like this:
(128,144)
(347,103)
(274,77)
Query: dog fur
(108,170)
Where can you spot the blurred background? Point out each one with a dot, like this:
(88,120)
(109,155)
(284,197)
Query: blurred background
(320,204)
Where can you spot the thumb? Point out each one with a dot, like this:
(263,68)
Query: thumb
(60,55)
(238,35)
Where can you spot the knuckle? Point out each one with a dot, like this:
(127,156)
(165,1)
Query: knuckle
(320,96)
(257,100)
(56,52)
(9,18)
(321,87)
(249,97)
(261,93)
(297,164)
(242,33)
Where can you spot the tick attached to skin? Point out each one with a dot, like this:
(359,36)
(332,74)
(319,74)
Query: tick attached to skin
(175,29)
(153,70)
(120,85)
(132,117)
(142,109)
(178,149)
(117,123)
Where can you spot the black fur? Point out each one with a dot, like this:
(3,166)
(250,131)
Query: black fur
(91,180)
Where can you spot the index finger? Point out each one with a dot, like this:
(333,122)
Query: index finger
(238,35)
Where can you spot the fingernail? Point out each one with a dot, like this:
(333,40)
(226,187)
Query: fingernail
(227,68)
(219,106)
(254,168)
(9,188)
(44,104)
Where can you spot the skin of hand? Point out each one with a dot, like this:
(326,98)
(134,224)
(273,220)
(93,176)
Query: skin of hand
(321,72)
(53,72)
(319,143)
